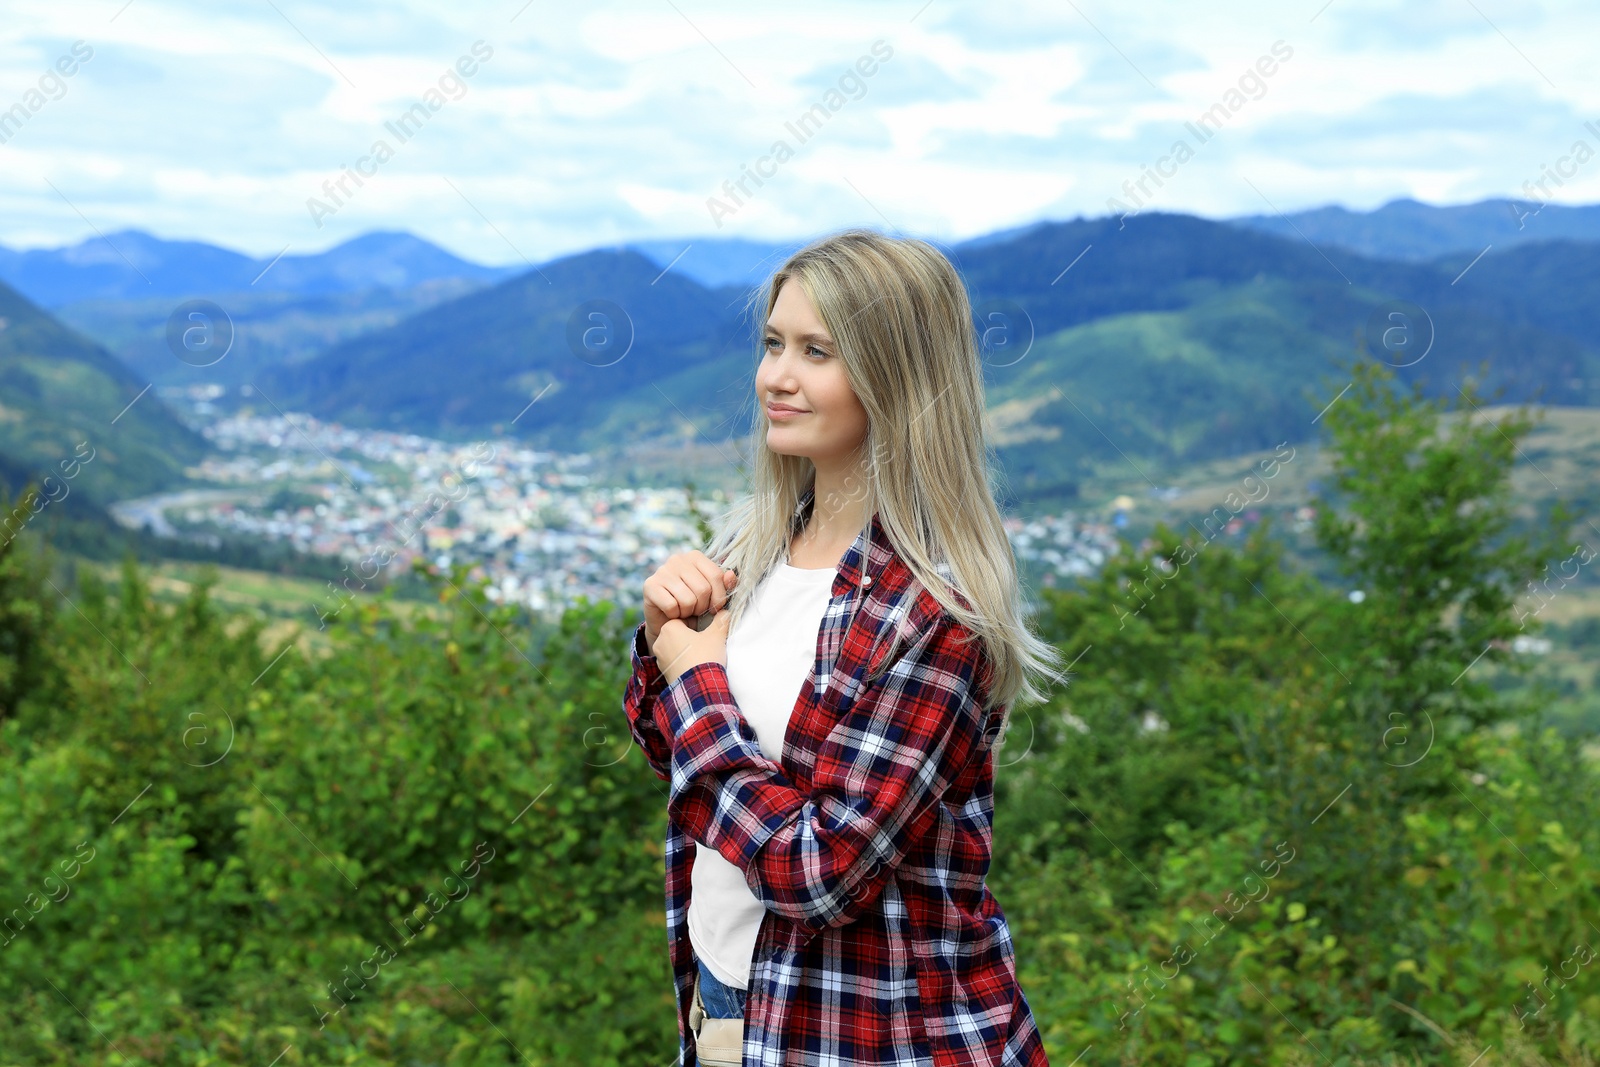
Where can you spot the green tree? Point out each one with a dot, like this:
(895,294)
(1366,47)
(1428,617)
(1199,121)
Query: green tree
(1418,516)
(25,610)
(1225,702)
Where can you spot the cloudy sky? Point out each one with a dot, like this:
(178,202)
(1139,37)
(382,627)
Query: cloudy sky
(590,124)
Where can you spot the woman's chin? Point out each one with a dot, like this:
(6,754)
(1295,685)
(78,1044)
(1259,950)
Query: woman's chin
(785,445)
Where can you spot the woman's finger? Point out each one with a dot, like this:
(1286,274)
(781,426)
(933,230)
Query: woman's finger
(699,591)
(705,577)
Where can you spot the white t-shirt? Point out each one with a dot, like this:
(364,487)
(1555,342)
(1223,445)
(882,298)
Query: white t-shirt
(770,654)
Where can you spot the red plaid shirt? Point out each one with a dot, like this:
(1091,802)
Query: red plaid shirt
(868,841)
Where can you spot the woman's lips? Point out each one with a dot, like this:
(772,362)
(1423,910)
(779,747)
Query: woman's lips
(783,413)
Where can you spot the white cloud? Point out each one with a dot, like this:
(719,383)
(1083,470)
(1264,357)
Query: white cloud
(592,125)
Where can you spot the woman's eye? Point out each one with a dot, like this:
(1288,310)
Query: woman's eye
(773,344)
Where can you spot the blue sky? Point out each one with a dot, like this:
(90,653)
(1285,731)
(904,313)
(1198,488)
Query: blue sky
(592,124)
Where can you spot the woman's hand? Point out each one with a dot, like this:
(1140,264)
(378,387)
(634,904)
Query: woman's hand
(679,648)
(685,587)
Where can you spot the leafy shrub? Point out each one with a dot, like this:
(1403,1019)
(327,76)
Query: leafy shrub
(1265,824)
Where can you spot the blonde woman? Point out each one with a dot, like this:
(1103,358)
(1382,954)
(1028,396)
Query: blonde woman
(828,734)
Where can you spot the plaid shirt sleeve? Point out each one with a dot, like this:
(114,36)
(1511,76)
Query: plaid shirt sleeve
(644,689)
(821,858)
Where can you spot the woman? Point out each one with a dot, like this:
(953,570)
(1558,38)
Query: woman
(828,735)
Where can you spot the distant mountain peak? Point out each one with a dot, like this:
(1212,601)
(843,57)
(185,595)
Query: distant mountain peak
(1408,229)
(134,264)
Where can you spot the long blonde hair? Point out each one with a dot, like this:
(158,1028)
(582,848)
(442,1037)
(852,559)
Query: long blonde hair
(902,322)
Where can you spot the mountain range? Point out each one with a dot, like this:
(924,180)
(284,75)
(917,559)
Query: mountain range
(1160,340)
(1166,337)
(134,265)
(1411,230)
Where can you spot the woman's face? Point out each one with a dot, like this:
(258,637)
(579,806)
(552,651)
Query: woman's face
(801,368)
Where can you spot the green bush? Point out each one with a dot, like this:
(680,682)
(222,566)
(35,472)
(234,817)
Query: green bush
(280,839)
(1264,824)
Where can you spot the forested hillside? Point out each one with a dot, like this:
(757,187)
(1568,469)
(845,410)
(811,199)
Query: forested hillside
(64,399)
(1267,822)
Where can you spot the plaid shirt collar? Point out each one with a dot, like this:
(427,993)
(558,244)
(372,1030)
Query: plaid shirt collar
(866,560)
(872,567)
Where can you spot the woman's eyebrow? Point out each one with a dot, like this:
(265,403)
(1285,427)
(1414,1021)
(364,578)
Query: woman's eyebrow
(821,337)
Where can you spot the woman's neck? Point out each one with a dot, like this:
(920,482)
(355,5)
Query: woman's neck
(838,512)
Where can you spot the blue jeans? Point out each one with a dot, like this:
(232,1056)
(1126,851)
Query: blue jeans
(721,1001)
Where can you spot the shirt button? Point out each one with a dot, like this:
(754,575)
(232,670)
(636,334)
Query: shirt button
(867,581)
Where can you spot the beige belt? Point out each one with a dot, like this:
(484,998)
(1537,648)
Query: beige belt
(718,1042)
